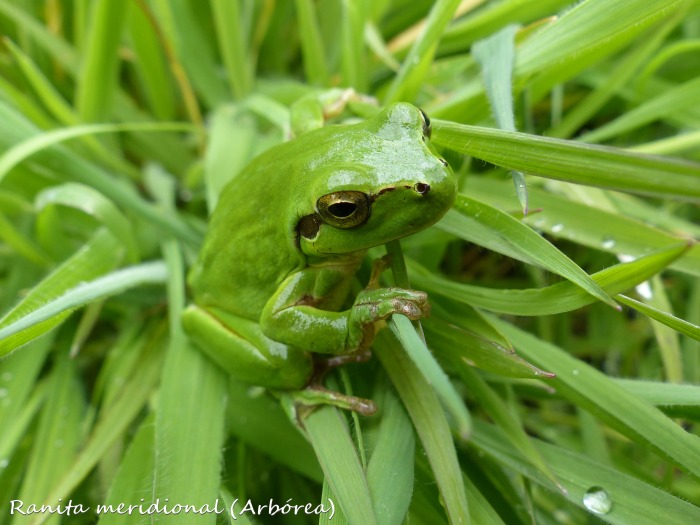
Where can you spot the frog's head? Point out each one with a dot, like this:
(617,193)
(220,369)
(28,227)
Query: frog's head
(381,180)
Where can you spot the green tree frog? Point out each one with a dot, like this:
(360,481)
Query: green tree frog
(287,237)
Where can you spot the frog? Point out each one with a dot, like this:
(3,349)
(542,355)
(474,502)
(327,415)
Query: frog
(274,277)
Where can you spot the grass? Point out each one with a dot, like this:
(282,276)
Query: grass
(559,380)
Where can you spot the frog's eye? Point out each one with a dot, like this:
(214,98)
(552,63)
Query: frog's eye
(427,129)
(344,209)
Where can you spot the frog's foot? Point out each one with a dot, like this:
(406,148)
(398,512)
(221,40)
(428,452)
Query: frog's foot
(315,395)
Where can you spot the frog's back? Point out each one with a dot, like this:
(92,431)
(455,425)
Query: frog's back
(250,245)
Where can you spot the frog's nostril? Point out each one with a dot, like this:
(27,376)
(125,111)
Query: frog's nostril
(421,187)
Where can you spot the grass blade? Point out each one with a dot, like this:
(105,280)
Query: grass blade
(336,452)
(573,161)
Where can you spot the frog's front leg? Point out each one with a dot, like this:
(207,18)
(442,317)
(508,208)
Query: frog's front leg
(297,314)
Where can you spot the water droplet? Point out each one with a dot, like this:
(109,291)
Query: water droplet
(608,243)
(644,290)
(58,443)
(557,228)
(7,376)
(4,463)
(3,392)
(575,371)
(597,500)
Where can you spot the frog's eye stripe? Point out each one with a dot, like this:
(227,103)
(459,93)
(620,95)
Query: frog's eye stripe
(344,209)
(427,129)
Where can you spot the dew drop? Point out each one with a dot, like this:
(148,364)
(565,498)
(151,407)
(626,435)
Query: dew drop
(644,289)
(4,463)
(7,376)
(58,443)
(3,392)
(608,243)
(575,371)
(597,500)
(556,228)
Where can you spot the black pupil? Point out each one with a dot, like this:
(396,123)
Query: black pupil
(422,188)
(342,209)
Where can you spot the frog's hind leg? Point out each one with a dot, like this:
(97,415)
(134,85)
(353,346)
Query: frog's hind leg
(239,347)
(315,393)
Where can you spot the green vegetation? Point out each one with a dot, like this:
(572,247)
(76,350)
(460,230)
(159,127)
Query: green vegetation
(565,302)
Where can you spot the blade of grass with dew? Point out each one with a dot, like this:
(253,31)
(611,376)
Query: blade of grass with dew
(97,257)
(434,375)
(111,425)
(527,243)
(36,322)
(576,162)
(556,298)
(409,79)
(328,434)
(18,428)
(58,433)
(312,46)
(190,414)
(503,418)
(588,388)
(666,337)
(679,325)
(473,340)
(587,226)
(19,373)
(430,423)
(496,56)
(99,67)
(633,501)
(458,348)
(390,468)
(239,71)
(92,203)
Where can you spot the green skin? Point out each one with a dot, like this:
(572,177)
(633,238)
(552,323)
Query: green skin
(288,235)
